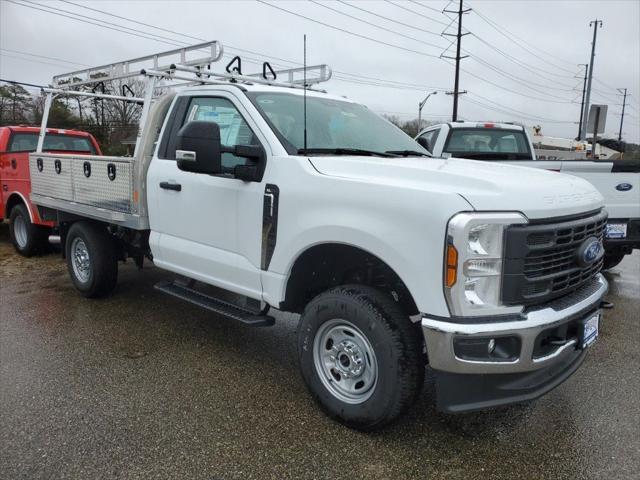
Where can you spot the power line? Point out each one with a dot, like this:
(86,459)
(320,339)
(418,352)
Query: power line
(419,14)
(519,112)
(521,63)
(427,7)
(132,21)
(520,41)
(52,11)
(375,25)
(391,19)
(345,75)
(333,27)
(21,83)
(521,80)
(44,56)
(511,114)
(32,60)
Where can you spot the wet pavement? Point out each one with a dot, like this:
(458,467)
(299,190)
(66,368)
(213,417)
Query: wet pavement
(140,385)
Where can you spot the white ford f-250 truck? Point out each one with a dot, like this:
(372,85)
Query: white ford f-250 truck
(617,180)
(487,273)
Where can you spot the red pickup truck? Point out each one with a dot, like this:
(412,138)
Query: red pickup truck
(28,232)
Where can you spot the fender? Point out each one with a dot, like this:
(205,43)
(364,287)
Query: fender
(33,218)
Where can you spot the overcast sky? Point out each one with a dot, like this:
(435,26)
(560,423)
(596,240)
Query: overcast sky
(523,55)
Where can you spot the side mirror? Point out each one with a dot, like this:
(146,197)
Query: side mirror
(424,143)
(198,148)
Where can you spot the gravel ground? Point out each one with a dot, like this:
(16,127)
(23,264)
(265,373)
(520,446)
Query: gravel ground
(140,385)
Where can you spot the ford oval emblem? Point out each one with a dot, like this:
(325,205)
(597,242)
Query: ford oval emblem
(589,252)
(624,187)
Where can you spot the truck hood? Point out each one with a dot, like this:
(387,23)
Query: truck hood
(486,186)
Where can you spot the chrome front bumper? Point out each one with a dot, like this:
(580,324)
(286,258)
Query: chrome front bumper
(439,334)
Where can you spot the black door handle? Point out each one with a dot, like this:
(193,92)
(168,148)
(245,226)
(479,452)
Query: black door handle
(171,186)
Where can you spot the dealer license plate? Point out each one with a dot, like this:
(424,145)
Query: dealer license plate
(590,332)
(616,230)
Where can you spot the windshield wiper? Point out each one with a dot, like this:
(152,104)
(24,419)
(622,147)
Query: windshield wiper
(344,151)
(408,153)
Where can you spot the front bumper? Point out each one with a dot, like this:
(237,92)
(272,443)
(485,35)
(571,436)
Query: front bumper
(554,365)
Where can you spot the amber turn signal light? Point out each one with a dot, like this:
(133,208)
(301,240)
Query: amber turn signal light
(452,266)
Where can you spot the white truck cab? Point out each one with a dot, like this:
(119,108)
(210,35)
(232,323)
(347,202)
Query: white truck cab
(298,200)
(617,180)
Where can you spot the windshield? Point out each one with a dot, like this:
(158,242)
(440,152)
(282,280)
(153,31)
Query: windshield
(488,143)
(331,125)
(27,142)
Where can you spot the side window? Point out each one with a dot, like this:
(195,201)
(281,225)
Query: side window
(233,128)
(428,139)
(434,138)
(23,142)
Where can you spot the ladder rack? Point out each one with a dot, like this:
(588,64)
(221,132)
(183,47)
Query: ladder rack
(131,68)
(186,65)
(189,60)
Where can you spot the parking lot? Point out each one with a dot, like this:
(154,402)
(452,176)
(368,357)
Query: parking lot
(140,385)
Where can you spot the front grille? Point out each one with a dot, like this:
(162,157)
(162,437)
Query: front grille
(541,261)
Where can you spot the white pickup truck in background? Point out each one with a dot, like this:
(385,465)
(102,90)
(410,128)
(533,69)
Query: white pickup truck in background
(618,181)
(287,197)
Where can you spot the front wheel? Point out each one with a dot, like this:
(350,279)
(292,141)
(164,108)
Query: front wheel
(360,356)
(92,261)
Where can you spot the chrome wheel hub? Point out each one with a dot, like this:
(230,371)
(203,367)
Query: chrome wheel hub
(345,361)
(80,260)
(347,358)
(20,231)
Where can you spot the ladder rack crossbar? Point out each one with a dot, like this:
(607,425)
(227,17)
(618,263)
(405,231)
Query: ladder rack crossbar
(253,78)
(295,76)
(130,68)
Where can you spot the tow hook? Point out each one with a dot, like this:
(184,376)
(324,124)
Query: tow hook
(606,305)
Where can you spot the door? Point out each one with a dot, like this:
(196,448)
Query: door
(14,167)
(208,227)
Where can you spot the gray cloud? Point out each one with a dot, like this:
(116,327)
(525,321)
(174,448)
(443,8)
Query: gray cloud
(557,35)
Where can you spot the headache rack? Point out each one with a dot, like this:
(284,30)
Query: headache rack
(112,188)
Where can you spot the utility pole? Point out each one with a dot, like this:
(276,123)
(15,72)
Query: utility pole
(585,119)
(624,103)
(584,88)
(457,58)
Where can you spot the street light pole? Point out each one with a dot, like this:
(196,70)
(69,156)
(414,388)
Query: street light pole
(420,106)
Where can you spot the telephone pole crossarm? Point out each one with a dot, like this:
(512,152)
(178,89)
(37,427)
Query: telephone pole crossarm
(456,88)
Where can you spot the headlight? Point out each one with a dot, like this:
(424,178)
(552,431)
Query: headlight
(473,263)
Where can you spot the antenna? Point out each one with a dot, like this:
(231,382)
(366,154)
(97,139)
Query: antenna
(305,91)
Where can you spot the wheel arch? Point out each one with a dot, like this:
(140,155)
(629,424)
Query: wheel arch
(17,198)
(329,264)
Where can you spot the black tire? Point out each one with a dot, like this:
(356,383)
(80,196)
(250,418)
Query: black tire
(397,345)
(102,265)
(612,259)
(30,239)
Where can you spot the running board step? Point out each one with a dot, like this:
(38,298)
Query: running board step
(246,316)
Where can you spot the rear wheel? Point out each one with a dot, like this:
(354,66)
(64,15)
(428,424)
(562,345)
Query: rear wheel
(92,259)
(27,238)
(360,356)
